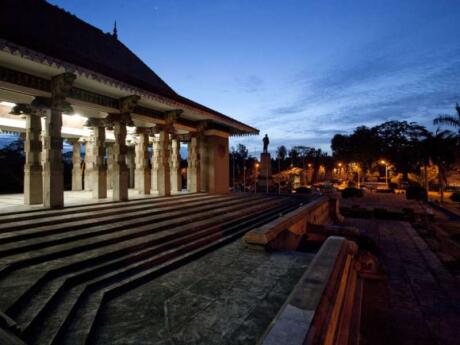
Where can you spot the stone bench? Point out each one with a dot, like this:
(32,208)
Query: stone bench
(323,308)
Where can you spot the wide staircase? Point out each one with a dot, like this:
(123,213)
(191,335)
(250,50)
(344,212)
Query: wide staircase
(59,267)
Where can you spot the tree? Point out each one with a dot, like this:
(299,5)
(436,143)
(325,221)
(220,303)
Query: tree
(12,163)
(362,146)
(281,153)
(440,149)
(449,120)
(293,155)
(400,143)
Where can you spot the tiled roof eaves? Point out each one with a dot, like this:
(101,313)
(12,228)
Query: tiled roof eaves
(181,102)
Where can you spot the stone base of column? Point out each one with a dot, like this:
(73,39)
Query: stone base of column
(99,180)
(163,181)
(176,180)
(193,182)
(154,181)
(87,180)
(53,186)
(77,179)
(120,183)
(142,181)
(33,185)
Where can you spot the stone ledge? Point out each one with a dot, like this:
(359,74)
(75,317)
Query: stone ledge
(312,309)
(294,221)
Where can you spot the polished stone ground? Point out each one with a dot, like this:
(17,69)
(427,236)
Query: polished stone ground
(227,297)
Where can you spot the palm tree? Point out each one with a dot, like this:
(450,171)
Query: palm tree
(441,151)
(450,120)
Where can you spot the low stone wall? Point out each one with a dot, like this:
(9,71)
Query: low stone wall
(286,232)
(324,307)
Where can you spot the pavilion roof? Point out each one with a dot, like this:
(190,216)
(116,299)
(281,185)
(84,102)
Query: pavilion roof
(50,30)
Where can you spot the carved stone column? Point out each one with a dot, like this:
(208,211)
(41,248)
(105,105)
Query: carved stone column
(154,162)
(120,173)
(98,169)
(130,163)
(53,169)
(77,178)
(160,166)
(142,182)
(193,169)
(88,173)
(33,181)
(176,177)
(109,149)
(204,164)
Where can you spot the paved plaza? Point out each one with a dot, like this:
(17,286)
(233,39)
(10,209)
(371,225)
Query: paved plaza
(227,297)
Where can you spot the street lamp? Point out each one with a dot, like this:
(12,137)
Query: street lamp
(255,178)
(386,170)
(244,174)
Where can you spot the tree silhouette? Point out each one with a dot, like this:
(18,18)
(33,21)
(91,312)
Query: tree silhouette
(449,120)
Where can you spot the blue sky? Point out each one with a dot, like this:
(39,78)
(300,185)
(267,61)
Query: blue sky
(300,71)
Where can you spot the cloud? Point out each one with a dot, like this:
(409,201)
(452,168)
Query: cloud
(376,87)
(250,84)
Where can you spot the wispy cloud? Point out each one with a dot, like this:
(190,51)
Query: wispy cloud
(382,85)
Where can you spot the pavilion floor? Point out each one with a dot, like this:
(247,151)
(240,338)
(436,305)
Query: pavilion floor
(15,202)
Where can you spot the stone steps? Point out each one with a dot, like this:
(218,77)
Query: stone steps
(80,328)
(55,283)
(40,213)
(64,232)
(115,210)
(114,245)
(13,233)
(77,273)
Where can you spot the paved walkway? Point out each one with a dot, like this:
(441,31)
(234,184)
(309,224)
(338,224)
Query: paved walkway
(228,297)
(419,303)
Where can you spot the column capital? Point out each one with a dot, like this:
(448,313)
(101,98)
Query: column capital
(166,128)
(61,85)
(37,108)
(171,116)
(95,122)
(184,137)
(121,118)
(143,130)
(128,103)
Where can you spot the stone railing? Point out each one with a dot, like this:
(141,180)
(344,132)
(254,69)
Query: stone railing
(286,231)
(324,307)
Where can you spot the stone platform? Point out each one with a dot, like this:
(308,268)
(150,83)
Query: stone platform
(15,202)
(143,271)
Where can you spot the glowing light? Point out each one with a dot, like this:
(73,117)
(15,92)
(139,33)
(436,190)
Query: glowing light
(383,162)
(257,165)
(8,104)
(80,117)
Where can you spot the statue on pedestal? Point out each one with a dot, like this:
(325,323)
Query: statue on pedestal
(266,142)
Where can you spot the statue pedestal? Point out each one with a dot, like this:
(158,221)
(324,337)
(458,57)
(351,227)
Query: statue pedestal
(265,172)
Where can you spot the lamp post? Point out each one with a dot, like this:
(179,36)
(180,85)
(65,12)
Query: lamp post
(255,177)
(233,170)
(266,176)
(244,174)
(386,170)
(279,174)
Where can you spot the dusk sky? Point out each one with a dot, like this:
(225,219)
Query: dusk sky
(300,71)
